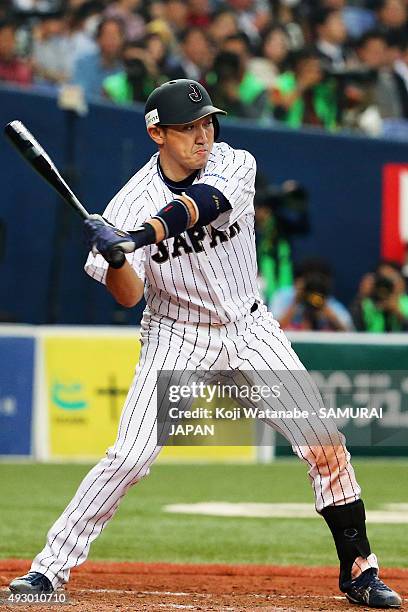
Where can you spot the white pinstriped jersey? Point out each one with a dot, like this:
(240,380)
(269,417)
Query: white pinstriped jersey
(205,275)
(209,276)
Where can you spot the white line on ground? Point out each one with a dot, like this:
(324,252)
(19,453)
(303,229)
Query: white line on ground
(390,514)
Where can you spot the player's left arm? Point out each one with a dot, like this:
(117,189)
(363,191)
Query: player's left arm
(219,198)
(234,177)
(201,206)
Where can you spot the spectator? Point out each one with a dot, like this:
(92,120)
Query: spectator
(373,51)
(309,304)
(272,57)
(158,50)
(223,25)
(38,7)
(382,303)
(176,16)
(392,16)
(159,27)
(401,76)
(234,87)
(153,10)
(196,55)
(82,24)
(91,70)
(357,19)
(51,52)
(12,68)
(253,17)
(138,79)
(127,11)
(303,95)
(284,13)
(331,36)
(199,13)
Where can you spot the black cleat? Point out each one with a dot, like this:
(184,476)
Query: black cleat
(369,590)
(33,582)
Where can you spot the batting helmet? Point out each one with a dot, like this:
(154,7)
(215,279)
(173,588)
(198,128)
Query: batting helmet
(178,102)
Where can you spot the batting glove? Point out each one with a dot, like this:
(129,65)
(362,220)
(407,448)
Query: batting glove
(110,242)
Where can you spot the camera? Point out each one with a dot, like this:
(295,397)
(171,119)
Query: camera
(289,204)
(383,288)
(360,75)
(227,66)
(315,292)
(135,69)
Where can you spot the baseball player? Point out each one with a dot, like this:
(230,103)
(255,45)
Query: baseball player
(181,233)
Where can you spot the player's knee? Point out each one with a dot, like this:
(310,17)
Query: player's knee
(327,460)
(133,466)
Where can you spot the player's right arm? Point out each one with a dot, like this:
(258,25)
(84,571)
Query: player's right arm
(112,260)
(114,246)
(125,285)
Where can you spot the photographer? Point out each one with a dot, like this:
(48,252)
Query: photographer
(232,84)
(309,305)
(304,95)
(281,213)
(382,302)
(138,79)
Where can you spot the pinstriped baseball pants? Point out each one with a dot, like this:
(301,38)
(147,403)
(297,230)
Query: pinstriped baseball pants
(254,343)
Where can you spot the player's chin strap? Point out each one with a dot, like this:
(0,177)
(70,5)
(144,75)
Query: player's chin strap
(347,524)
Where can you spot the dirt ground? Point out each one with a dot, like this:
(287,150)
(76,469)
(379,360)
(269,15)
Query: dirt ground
(108,587)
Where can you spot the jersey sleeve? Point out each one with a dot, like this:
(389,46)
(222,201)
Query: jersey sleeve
(124,213)
(234,176)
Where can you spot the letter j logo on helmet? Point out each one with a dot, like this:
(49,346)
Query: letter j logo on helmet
(195,95)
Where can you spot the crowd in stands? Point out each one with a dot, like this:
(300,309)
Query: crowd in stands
(333,64)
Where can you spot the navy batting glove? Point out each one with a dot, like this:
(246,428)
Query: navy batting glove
(110,242)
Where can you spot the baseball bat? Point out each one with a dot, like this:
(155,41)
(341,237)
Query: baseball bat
(38,159)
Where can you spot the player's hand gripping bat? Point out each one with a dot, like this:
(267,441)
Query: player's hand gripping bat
(38,159)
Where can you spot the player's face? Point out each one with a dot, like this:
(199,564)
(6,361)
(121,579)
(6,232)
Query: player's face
(185,148)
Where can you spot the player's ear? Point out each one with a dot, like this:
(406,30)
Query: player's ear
(156,133)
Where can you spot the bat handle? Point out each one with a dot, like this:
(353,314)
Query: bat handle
(79,208)
(116,255)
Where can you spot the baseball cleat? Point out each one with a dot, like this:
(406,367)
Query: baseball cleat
(369,590)
(33,582)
